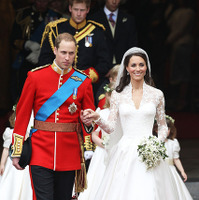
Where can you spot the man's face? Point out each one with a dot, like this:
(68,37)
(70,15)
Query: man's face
(65,54)
(78,12)
(112,5)
(41,5)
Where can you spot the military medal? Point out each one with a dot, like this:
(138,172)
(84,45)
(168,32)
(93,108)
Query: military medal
(88,41)
(72,108)
(74,93)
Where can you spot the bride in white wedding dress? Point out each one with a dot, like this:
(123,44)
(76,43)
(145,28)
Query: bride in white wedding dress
(134,106)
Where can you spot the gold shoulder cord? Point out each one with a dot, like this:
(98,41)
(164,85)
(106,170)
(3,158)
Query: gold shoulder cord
(49,31)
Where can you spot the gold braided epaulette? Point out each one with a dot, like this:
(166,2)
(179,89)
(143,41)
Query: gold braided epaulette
(78,70)
(49,27)
(98,24)
(41,67)
(55,22)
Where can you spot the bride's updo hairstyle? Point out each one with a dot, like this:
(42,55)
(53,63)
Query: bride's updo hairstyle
(125,78)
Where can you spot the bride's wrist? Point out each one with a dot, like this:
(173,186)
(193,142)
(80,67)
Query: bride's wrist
(97,120)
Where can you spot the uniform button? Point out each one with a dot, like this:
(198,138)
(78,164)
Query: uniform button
(58,108)
(57,114)
(61,83)
(57,119)
(61,78)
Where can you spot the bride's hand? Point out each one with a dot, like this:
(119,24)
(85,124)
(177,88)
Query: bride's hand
(88,116)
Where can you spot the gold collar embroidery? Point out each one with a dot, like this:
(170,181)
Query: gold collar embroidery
(77,26)
(60,71)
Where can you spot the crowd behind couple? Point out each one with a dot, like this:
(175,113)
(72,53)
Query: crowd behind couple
(61,98)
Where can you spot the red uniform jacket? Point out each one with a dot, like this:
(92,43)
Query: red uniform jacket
(58,151)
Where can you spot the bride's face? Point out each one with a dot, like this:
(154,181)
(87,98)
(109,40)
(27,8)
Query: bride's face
(136,68)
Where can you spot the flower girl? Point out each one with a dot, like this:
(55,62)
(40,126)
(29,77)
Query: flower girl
(97,165)
(173,149)
(173,160)
(14,184)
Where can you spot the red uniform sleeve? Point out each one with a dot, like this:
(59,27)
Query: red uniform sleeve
(23,113)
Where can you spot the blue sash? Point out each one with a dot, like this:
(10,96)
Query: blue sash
(59,97)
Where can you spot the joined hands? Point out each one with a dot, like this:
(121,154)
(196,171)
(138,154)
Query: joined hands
(88,116)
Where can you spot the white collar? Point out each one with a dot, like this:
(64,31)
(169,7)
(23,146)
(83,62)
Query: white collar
(108,12)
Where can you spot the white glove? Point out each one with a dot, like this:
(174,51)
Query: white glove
(88,155)
(33,57)
(30,45)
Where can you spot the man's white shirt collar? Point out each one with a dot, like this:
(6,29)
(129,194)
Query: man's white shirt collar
(108,12)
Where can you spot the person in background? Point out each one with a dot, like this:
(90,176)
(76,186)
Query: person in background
(173,160)
(180,42)
(12,179)
(25,39)
(60,6)
(98,162)
(112,79)
(121,32)
(92,55)
(56,93)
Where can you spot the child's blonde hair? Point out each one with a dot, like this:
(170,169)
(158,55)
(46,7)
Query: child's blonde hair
(114,71)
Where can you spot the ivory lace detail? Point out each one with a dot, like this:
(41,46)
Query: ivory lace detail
(136,122)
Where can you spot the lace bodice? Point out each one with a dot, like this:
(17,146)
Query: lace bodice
(136,122)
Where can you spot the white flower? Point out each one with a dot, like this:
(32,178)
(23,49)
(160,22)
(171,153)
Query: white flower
(151,150)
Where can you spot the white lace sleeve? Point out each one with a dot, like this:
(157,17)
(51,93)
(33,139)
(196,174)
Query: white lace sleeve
(160,117)
(109,125)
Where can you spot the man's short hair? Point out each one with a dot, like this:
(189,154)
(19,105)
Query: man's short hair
(87,2)
(66,37)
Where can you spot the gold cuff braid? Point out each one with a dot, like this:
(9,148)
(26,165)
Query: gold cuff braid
(18,145)
(88,144)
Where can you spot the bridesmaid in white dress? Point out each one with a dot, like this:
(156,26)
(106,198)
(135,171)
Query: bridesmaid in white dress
(14,184)
(173,149)
(97,165)
(134,105)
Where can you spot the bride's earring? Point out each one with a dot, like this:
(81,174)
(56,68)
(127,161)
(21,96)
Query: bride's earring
(127,73)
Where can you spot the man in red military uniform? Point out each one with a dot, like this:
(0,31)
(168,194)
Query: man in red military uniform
(57,93)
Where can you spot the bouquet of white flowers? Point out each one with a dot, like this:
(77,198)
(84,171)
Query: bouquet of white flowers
(151,150)
(105,139)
